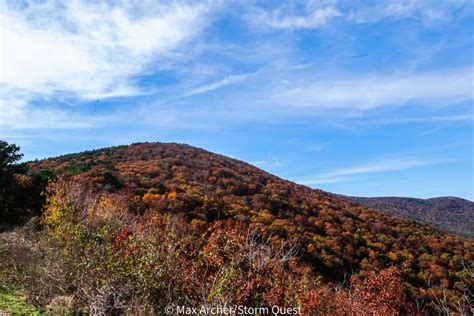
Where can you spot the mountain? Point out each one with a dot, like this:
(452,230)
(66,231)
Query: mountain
(219,202)
(449,213)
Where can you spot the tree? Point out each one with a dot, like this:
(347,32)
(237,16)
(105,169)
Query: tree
(9,155)
(20,189)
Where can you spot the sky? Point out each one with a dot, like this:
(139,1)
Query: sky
(367,98)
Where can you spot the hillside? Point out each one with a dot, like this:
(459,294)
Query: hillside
(451,214)
(218,198)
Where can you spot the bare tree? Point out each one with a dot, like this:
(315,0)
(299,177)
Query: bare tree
(260,252)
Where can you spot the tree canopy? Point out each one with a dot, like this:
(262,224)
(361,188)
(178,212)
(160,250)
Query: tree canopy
(9,155)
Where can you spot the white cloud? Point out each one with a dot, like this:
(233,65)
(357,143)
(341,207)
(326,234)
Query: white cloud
(311,19)
(426,119)
(276,162)
(218,84)
(347,173)
(315,14)
(259,162)
(318,147)
(323,180)
(428,12)
(89,49)
(16,113)
(365,92)
(380,166)
(271,161)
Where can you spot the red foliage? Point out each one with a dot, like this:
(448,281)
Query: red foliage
(331,234)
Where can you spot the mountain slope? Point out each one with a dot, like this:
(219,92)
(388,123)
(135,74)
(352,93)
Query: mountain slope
(451,214)
(333,236)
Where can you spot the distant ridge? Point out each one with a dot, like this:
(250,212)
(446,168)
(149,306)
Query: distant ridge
(451,214)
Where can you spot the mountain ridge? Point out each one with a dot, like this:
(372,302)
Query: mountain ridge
(332,235)
(449,213)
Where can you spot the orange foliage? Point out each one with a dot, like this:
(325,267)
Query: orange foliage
(332,234)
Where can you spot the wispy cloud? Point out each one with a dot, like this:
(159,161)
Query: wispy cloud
(78,50)
(318,147)
(275,160)
(270,161)
(316,14)
(16,114)
(90,49)
(311,18)
(370,91)
(218,84)
(428,12)
(424,119)
(348,173)
(259,162)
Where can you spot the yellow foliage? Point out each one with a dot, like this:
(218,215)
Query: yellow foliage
(172,195)
(107,207)
(380,245)
(393,256)
(280,222)
(266,216)
(149,197)
(372,254)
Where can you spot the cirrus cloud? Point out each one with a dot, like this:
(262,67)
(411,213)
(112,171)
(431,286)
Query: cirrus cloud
(370,91)
(347,173)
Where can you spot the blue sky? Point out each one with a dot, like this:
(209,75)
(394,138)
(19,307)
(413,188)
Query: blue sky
(369,98)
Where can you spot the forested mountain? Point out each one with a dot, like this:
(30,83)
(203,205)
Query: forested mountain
(251,236)
(449,213)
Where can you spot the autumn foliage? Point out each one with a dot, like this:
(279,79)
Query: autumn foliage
(167,223)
